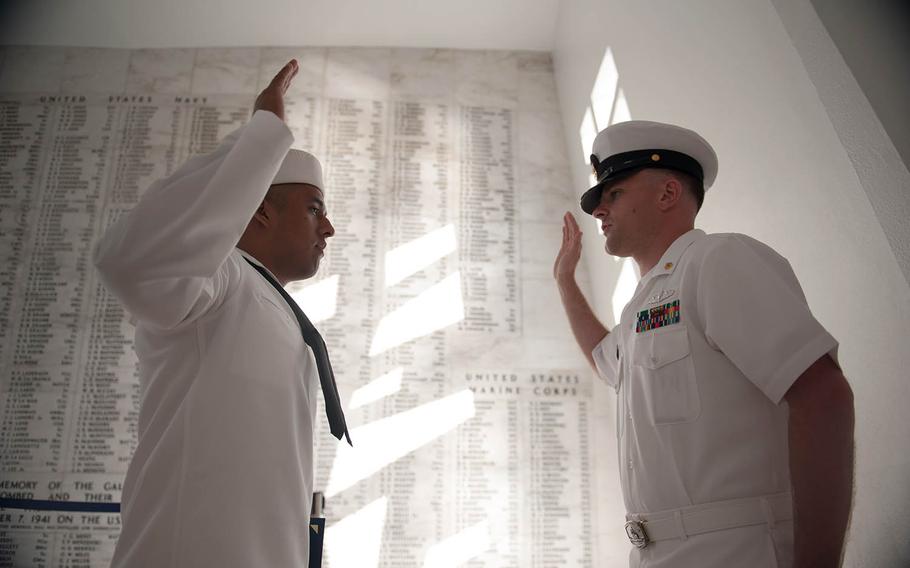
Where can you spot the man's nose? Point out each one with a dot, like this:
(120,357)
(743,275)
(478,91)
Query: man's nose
(328,230)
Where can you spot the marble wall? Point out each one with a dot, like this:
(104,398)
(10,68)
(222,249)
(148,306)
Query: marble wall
(447,176)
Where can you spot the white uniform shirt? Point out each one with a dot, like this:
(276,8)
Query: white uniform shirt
(714,336)
(223,472)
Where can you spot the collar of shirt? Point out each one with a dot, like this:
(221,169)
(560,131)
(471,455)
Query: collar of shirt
(255,261)
(670,259)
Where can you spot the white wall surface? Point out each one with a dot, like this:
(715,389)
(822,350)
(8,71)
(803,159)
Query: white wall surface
(874,38)
(731,71)
(876,135)
(444,170)
(466,24)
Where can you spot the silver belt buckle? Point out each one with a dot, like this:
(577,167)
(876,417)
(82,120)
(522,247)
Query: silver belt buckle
(635,530)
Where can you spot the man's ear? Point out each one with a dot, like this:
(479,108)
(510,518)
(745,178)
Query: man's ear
(264,215)
(671,193)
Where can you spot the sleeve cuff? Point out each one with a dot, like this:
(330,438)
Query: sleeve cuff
(607,367)
(797,364)
(266,123)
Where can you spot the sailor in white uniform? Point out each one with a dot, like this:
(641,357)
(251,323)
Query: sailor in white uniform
(223,471)
(734,421)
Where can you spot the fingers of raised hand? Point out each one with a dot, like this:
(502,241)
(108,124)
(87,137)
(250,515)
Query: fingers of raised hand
(282,79)
(570,229)
(289,77)
(572,223)
(571,244)
(568,255)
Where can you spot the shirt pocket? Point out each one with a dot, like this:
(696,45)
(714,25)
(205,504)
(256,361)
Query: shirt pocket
(664,362)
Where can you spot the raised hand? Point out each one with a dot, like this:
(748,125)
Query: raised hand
(570,251)
(272,97)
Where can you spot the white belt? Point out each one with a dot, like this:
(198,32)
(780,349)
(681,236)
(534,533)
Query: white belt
(643,528)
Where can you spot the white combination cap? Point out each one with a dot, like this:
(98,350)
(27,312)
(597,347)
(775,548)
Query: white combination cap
(300,167)
(637,144)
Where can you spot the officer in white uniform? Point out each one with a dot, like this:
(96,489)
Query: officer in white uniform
(223,471)
(733,416)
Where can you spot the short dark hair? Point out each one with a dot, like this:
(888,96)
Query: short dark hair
(277,195)
(692,184)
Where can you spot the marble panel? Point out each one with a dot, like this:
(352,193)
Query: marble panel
(545,192)
(394,164)
(539,244)
(95,70)
(32,70)
(562,353)
(358,73)
(537,91)
(226,71)
(536,82)
(165,71)
(540,138)
(529,352)
(534,61)
(542,311)
(426,75)
(486,78)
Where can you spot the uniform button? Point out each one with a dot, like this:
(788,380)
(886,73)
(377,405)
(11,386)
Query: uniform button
(653,359)
(630,464)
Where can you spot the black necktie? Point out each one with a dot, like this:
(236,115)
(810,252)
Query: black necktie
(311,336)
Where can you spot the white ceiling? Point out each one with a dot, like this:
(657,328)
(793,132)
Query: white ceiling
(462,24)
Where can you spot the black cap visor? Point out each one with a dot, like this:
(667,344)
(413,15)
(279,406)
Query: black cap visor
(624,163)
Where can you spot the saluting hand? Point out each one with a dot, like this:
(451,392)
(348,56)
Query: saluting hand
(570,251)
(272,97)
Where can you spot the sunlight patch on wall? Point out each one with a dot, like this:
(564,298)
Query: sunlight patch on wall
(458,549)
(363,527)
(622,112)
(437,307)
(383,441)
(603,94)
(607,104)
(416,255)
(318,300)
(381,387)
